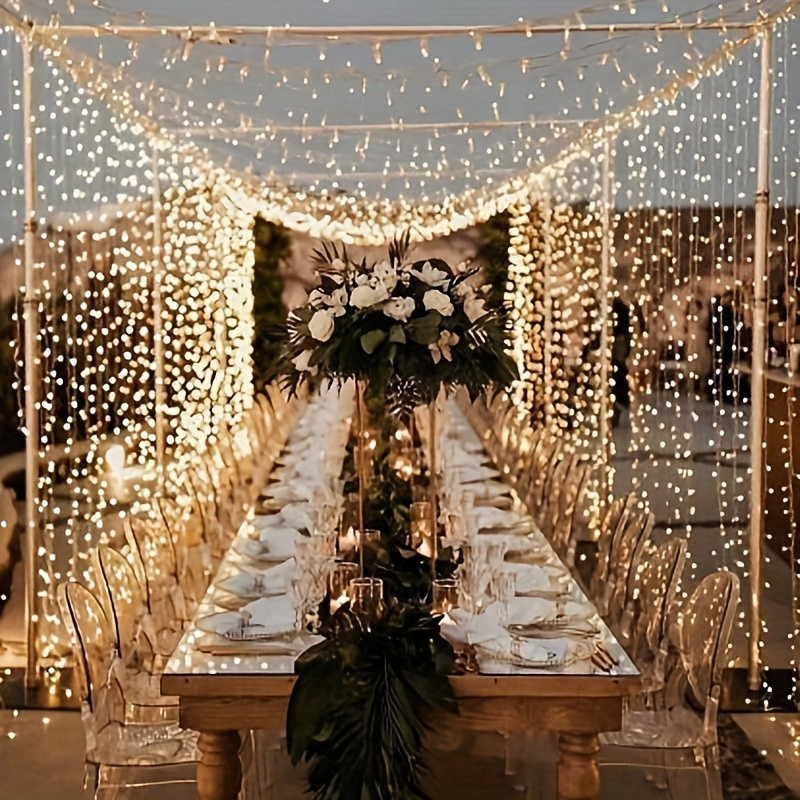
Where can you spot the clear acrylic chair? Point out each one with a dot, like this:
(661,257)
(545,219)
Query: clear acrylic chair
(625,563)
(656,597)
(208,511)
(120,757)
(125,689)
(573,510)
(184,524)
(141,644)
(613,529)
(679,741)
(155,551)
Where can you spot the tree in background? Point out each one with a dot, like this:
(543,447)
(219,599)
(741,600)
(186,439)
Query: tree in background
(493,254)
(273,246)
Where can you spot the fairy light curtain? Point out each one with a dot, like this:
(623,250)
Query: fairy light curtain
(95,273)
(208,265)
(392,128)
(685,274)
(375,131)
(554,268)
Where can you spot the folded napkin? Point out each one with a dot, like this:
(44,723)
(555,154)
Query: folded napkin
(246,583)
(220,623)
(275,545)
(298,515)
(527,610)
(262,521)
(489,517)
(472,473)
(492,640)
(513,544)
(530,578)
(279,542)
(272,614)
(489,490)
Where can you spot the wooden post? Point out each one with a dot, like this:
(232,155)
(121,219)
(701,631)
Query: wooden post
(32,366)
(757,416)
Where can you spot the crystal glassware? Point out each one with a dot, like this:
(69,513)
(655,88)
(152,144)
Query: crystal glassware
(421,538)
(339,580)
(366,598)
(502,590)
(445,595)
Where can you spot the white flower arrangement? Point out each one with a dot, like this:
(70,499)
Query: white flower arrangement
(411,327)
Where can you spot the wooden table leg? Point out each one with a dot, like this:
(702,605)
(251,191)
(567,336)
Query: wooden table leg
(219,772)
(578,775)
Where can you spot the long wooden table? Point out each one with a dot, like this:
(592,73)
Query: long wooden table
(578,707)
(224,689)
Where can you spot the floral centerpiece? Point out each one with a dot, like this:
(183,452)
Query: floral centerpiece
(403,329)
(409,327)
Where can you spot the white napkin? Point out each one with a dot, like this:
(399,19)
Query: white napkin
(489,517)
(279,542)
(529,578)
(513,544)
(472,473)
(489,490)
(287,494)
(490,639)
(273,580)
(220,623)
(529,610)
(261,521)
(272,614)
(298,515)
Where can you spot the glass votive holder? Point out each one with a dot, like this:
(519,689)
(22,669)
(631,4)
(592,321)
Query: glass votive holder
(325,542)
(502,590)
(339,580)
(420,511)
(369,537)
(445,595)
(366,597)
(421,539)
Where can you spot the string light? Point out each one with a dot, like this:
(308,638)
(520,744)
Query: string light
(330,173)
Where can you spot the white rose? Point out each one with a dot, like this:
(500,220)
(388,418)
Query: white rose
(321,325)
(400,308)
(301,362)
(430,275)
(383,273)
(474,307)
(463,290)
(434,300)
(337,301)
(366,296)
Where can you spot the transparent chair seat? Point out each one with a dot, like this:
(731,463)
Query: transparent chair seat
(666,728)
(140,745)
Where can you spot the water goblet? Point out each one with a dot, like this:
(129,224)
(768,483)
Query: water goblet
(366,598)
